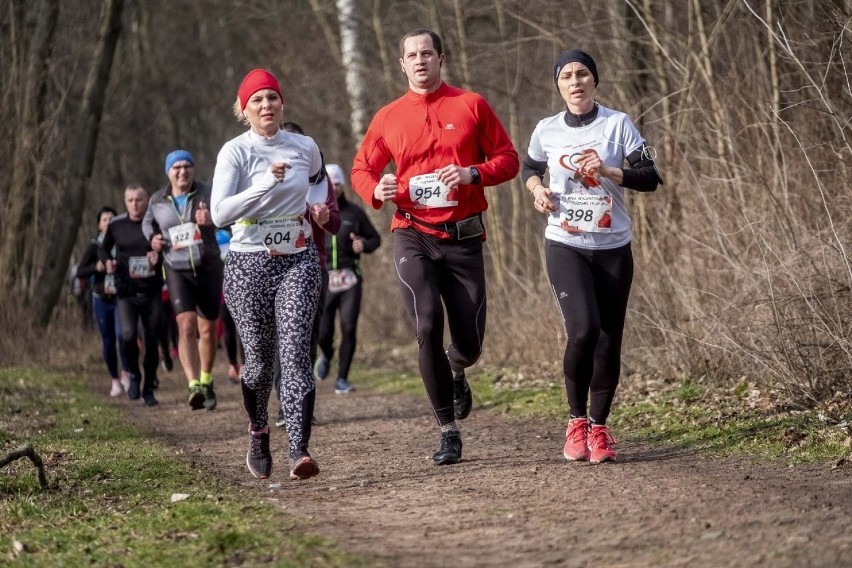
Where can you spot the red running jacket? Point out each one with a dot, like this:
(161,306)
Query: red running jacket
(421,133)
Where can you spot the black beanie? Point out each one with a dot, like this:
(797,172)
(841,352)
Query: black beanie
(579,56)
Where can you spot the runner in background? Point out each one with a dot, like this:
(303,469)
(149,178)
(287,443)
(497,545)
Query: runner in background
(587,240)
(227,329)
(320,228)
(127,256)
(447,145)
(344,279)
(93,268)
(179,224)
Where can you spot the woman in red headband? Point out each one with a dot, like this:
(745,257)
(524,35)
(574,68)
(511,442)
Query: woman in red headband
(262,182)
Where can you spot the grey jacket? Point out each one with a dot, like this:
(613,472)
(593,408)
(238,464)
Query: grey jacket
(162,215)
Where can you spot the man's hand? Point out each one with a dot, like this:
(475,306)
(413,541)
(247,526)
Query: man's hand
(357,243)
(454,175)
(386,188)
(110,266)
(158,243)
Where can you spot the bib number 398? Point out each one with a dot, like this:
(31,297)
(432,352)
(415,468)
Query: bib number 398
(585,213)
(428,191)
(283,236)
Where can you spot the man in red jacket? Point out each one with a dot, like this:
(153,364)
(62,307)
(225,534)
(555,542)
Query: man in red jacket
(447,145)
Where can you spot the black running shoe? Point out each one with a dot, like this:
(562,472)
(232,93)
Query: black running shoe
(209,396)
(148,397)
(133,387)
(196,397)
(462,397)
(303,468)
(451,449)
(259,458)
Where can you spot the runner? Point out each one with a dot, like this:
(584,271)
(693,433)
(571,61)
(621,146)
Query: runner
(343,274)
(262,182)
(179,224)
(103,305)
(331,224)
(587,240)
(447,145)
(127,255)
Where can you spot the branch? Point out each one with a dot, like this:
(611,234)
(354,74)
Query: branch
(27,452)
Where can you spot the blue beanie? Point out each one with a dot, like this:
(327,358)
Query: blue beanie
(579,56)
(178,156)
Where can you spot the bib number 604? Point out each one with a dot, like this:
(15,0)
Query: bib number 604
(277,238)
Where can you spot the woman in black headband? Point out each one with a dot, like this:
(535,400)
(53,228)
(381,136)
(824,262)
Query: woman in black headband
(587,240)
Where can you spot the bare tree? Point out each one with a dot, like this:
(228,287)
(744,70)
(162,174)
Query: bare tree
(353,65)
(64,231)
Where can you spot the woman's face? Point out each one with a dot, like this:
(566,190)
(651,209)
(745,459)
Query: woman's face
(577,87)
(103,221)
(265,111)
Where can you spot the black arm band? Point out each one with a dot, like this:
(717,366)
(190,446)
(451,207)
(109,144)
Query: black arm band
(532,168)
(642,175)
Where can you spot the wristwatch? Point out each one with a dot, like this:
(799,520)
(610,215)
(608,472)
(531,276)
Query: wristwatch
(475,175)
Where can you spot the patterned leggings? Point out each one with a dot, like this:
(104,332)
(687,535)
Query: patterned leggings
(268,295)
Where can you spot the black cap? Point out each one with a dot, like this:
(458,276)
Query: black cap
(579,56)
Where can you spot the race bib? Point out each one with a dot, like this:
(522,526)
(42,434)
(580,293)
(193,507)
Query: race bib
(580,213)
(140,267)
(341,279)
(184,235)
(428,191)
(285,235)
(109,284)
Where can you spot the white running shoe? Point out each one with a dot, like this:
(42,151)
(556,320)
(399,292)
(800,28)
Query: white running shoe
(125,380)
(116,388)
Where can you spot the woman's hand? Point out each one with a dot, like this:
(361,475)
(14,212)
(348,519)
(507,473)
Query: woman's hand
(320,213)
(591,166)
(543,199)
(279,170)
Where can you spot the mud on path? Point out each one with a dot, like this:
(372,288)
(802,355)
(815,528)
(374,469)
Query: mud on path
(514,500)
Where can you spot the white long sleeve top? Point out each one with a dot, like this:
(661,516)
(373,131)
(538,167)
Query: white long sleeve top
(244,191)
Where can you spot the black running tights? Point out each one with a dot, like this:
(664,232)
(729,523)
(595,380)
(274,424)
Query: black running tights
(592,288)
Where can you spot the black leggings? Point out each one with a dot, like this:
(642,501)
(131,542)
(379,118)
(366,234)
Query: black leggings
(431,270)
(147,310)
(230,337)
(349,304)
(592,288)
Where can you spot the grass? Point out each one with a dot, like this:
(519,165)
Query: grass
(109,501)
(683,413)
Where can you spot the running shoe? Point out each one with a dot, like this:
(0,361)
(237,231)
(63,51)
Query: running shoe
(233,374)
(576,440)
(281,422)
(166,361)
(321,367)
(303,468)
(451,449)
(259,458)
(133,387)
(600,445)
(125,381)
(462,397)
(342,386)
(116,388)
(148,397)
(209,397)
(196,397)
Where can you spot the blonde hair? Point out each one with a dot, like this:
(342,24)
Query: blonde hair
(239,114)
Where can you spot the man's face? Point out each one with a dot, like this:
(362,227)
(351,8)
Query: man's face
(136,201)
(181,175)
(421,63)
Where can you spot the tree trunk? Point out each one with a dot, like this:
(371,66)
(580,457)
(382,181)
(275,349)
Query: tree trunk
(353,64)
(64,231)
(19,210)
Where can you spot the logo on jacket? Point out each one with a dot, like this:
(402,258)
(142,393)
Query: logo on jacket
(297,156)
(450,126)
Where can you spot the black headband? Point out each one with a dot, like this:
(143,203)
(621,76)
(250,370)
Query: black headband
(579,56)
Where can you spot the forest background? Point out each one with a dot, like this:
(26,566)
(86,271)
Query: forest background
(743,274)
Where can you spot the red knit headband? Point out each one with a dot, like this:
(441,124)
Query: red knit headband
(256,80)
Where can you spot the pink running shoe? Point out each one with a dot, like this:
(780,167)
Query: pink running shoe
(576,444)
(600,445)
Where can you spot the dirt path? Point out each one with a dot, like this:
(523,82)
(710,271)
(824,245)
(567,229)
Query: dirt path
(514,501)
